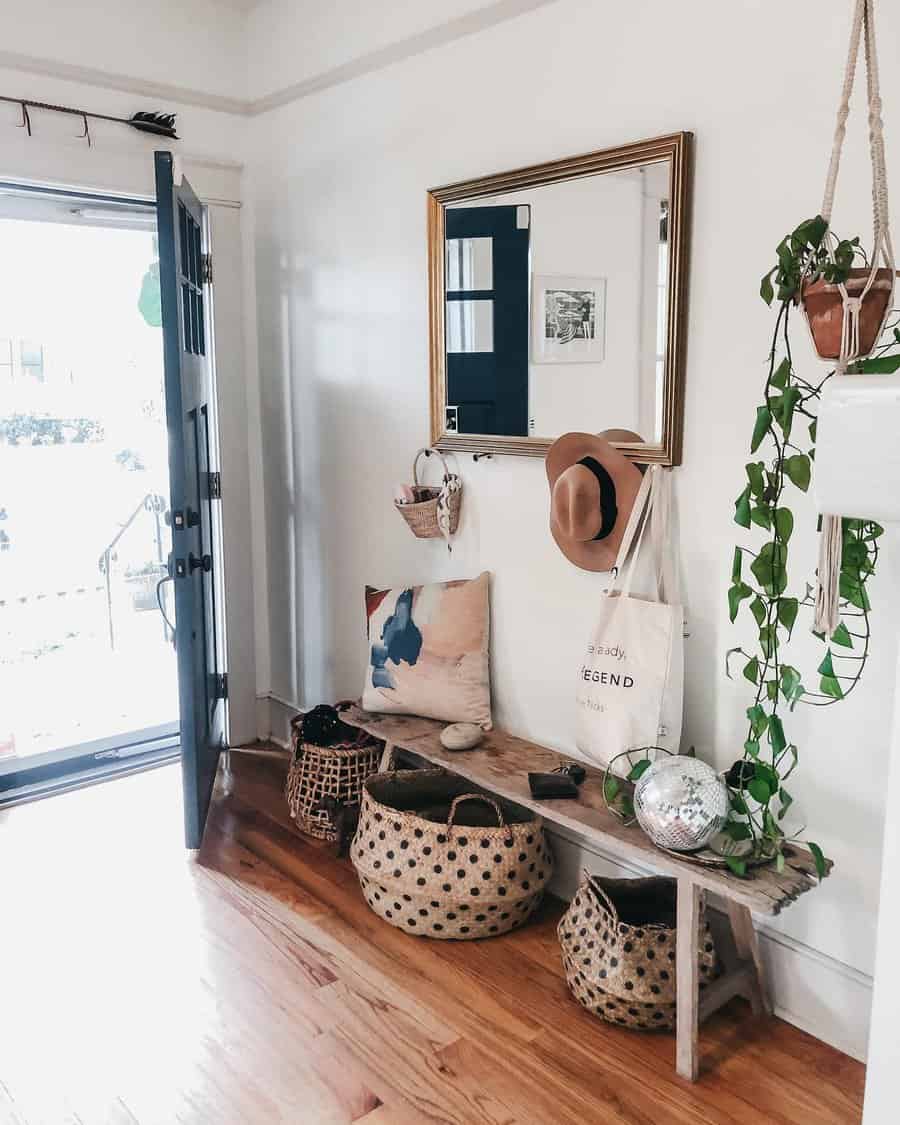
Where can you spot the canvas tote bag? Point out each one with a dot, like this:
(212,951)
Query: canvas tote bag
(631,681)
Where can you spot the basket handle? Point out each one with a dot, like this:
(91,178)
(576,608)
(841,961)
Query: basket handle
(501,823)
(427,452)
(601,894)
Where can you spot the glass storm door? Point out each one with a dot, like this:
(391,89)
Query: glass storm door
(193,471)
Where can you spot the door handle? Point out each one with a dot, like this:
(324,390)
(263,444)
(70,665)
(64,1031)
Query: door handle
(204,563)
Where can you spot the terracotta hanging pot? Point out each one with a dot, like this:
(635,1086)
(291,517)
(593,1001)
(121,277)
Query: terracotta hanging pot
(824,307)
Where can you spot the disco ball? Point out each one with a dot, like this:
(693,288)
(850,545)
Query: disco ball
(681,803)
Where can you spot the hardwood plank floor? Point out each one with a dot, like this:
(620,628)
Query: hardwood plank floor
(252,984)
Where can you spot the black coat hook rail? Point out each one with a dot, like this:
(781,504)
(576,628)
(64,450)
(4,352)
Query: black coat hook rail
(158,124)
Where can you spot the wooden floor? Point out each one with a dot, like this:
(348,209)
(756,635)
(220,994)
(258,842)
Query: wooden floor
(253,985)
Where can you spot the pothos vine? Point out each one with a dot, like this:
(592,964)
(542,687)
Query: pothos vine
(759,578)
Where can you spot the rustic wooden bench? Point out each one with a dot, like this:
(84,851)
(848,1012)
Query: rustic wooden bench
(500,764)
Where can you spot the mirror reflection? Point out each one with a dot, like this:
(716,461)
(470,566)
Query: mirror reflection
(556,306)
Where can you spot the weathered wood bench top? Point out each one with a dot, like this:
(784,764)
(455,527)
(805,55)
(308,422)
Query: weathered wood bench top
(501,763)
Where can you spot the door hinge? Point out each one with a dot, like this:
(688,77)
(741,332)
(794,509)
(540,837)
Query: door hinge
(214,485)
(221,685)
(206,261)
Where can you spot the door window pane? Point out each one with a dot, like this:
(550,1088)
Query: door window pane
(470,264)
(470,326)
(33,360)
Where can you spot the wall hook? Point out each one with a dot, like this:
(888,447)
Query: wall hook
(26,119)
(482,456)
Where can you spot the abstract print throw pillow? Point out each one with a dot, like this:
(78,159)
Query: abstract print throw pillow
(429,651)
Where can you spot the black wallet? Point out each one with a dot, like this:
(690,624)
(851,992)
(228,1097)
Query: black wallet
(545,786)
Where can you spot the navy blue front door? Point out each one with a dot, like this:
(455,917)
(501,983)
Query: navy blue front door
(488,389)
(193,473)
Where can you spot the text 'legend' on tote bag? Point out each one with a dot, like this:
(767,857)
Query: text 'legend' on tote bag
(631,681)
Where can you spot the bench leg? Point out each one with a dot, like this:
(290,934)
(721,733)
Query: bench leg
(387,758)
(687,981)
(747,946)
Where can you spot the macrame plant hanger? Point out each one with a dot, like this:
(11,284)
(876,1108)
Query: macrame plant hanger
(827,615)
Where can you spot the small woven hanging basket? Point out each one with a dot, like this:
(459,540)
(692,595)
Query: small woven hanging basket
(437,860)
(422,516)
(618,950)
(318,773)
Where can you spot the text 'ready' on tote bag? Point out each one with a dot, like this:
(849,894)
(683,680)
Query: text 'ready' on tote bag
(631,683)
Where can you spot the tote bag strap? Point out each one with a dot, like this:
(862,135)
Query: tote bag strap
(664,537)
(626,560)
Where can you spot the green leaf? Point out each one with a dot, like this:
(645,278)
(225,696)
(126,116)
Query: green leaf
(742,508)
(813,430)
(769,568)
(737,830)
(759,720)
(736,565)
(883,365)
(610,789)
(756,477)
(761,516)
(639,769)
(768,774)
(776,734)
(853,591)
(759,790)
(751,747)
(797,470)
(841,636)
(787,613)
(826,668)
(785,800)
(790,683)
(781,374)
(818,858)
(751,670)
(829,685)
(766,290)
(789,400)
(761,428)
(738,804)
(758,609)
(784,523)
(811,232)
(736,595)
(738,866)
(768,637)
(771,690)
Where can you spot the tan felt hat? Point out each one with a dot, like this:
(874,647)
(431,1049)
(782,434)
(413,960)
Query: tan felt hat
(592,491)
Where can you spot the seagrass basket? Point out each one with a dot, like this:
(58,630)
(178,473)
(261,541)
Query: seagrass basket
(422,515)
(438,860)
(618,949)
(321,779)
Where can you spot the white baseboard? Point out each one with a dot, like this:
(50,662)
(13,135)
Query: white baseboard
(811,990)
(273,718)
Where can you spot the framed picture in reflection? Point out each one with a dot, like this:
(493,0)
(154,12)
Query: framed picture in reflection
(569,315)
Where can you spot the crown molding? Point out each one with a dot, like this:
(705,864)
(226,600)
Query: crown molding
(164,92)
(108,80)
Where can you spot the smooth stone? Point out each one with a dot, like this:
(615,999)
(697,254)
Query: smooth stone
(461,736)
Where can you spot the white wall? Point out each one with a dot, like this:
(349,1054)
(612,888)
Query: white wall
(193,44)
(338,182)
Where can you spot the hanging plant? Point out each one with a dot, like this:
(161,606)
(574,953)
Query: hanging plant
(846,298)
(785,431)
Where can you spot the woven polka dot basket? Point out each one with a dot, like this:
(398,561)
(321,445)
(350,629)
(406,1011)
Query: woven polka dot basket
(618,950)
(438,860)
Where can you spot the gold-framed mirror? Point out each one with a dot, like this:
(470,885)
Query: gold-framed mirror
(558,301)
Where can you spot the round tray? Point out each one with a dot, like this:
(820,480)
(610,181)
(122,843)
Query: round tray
(706,857)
